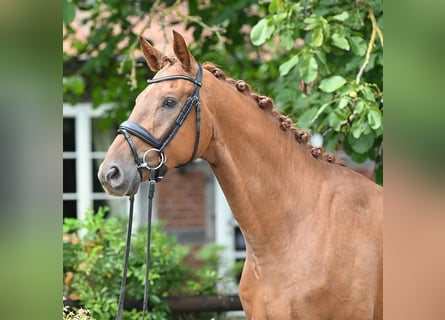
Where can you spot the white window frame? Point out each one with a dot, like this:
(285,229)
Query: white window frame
(83,113)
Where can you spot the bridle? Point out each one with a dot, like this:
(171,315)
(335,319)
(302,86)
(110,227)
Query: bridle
(129,127)
(156,173)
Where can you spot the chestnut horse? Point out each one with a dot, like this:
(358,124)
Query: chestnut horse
(313,228)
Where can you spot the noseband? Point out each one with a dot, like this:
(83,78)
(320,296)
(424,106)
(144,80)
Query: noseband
(129,127)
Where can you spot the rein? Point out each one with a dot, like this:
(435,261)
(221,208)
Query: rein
(156,173)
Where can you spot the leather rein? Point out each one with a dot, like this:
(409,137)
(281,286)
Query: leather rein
(128,128)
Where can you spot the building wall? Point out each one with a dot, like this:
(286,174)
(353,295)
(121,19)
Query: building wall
(181,199)
(184,200)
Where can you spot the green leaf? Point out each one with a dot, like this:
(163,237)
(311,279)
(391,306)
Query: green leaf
(358,45)
(154,299)
(359,107)
(331,84)
(341,17)
(355,156)
(278,19)
(379,174)
(69,11)
(367,92)
(320,111)
(262,31)
(70,224)
(308,68)
(75,84)
(273,6)
(362,144)
(331,141)
(326,27)
(374,118)
(304,120)
(358,128)
(343,102)
(317,36)
(311,22)
(340,41)
(322,58)
(288,65)
(335,121)
(287,39)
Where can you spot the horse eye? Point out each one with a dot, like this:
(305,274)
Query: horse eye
(169,103)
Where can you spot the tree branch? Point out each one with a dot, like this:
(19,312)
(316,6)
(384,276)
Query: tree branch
(375,30)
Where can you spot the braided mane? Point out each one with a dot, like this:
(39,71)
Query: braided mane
(266,103)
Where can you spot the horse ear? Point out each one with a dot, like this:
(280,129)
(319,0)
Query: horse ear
(151,54)
(182,52)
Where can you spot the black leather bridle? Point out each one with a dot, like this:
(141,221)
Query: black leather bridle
(156,173)
(129,127)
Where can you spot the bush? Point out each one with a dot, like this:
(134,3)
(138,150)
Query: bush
(80,314)
(93,263)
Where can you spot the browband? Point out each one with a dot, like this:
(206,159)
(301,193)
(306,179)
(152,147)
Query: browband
(195,81)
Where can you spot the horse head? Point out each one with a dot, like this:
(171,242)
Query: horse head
(163,130)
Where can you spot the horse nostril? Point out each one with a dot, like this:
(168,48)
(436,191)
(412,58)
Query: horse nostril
(113,175)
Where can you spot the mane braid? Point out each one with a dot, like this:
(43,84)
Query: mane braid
(266,103)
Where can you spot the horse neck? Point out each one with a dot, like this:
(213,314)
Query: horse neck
(259,166)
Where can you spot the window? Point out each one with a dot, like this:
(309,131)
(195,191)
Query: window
(84,147)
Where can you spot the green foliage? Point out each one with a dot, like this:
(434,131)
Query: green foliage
(237,269)
(334,51)
(262,31)
(321,61)
(93,263)
(80,314)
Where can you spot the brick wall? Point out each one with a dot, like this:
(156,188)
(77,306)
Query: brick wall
(182,202)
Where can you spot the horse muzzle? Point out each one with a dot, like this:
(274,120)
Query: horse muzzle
(119,180)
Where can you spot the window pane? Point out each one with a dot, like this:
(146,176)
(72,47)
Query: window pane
(240,245)
(97,187)
(69,209)
(69,143)
(118,206)
(102,134)
(69,175)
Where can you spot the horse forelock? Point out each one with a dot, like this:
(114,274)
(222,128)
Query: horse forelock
(266,104)
(167,60)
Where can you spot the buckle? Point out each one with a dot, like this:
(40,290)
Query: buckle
(162,159)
